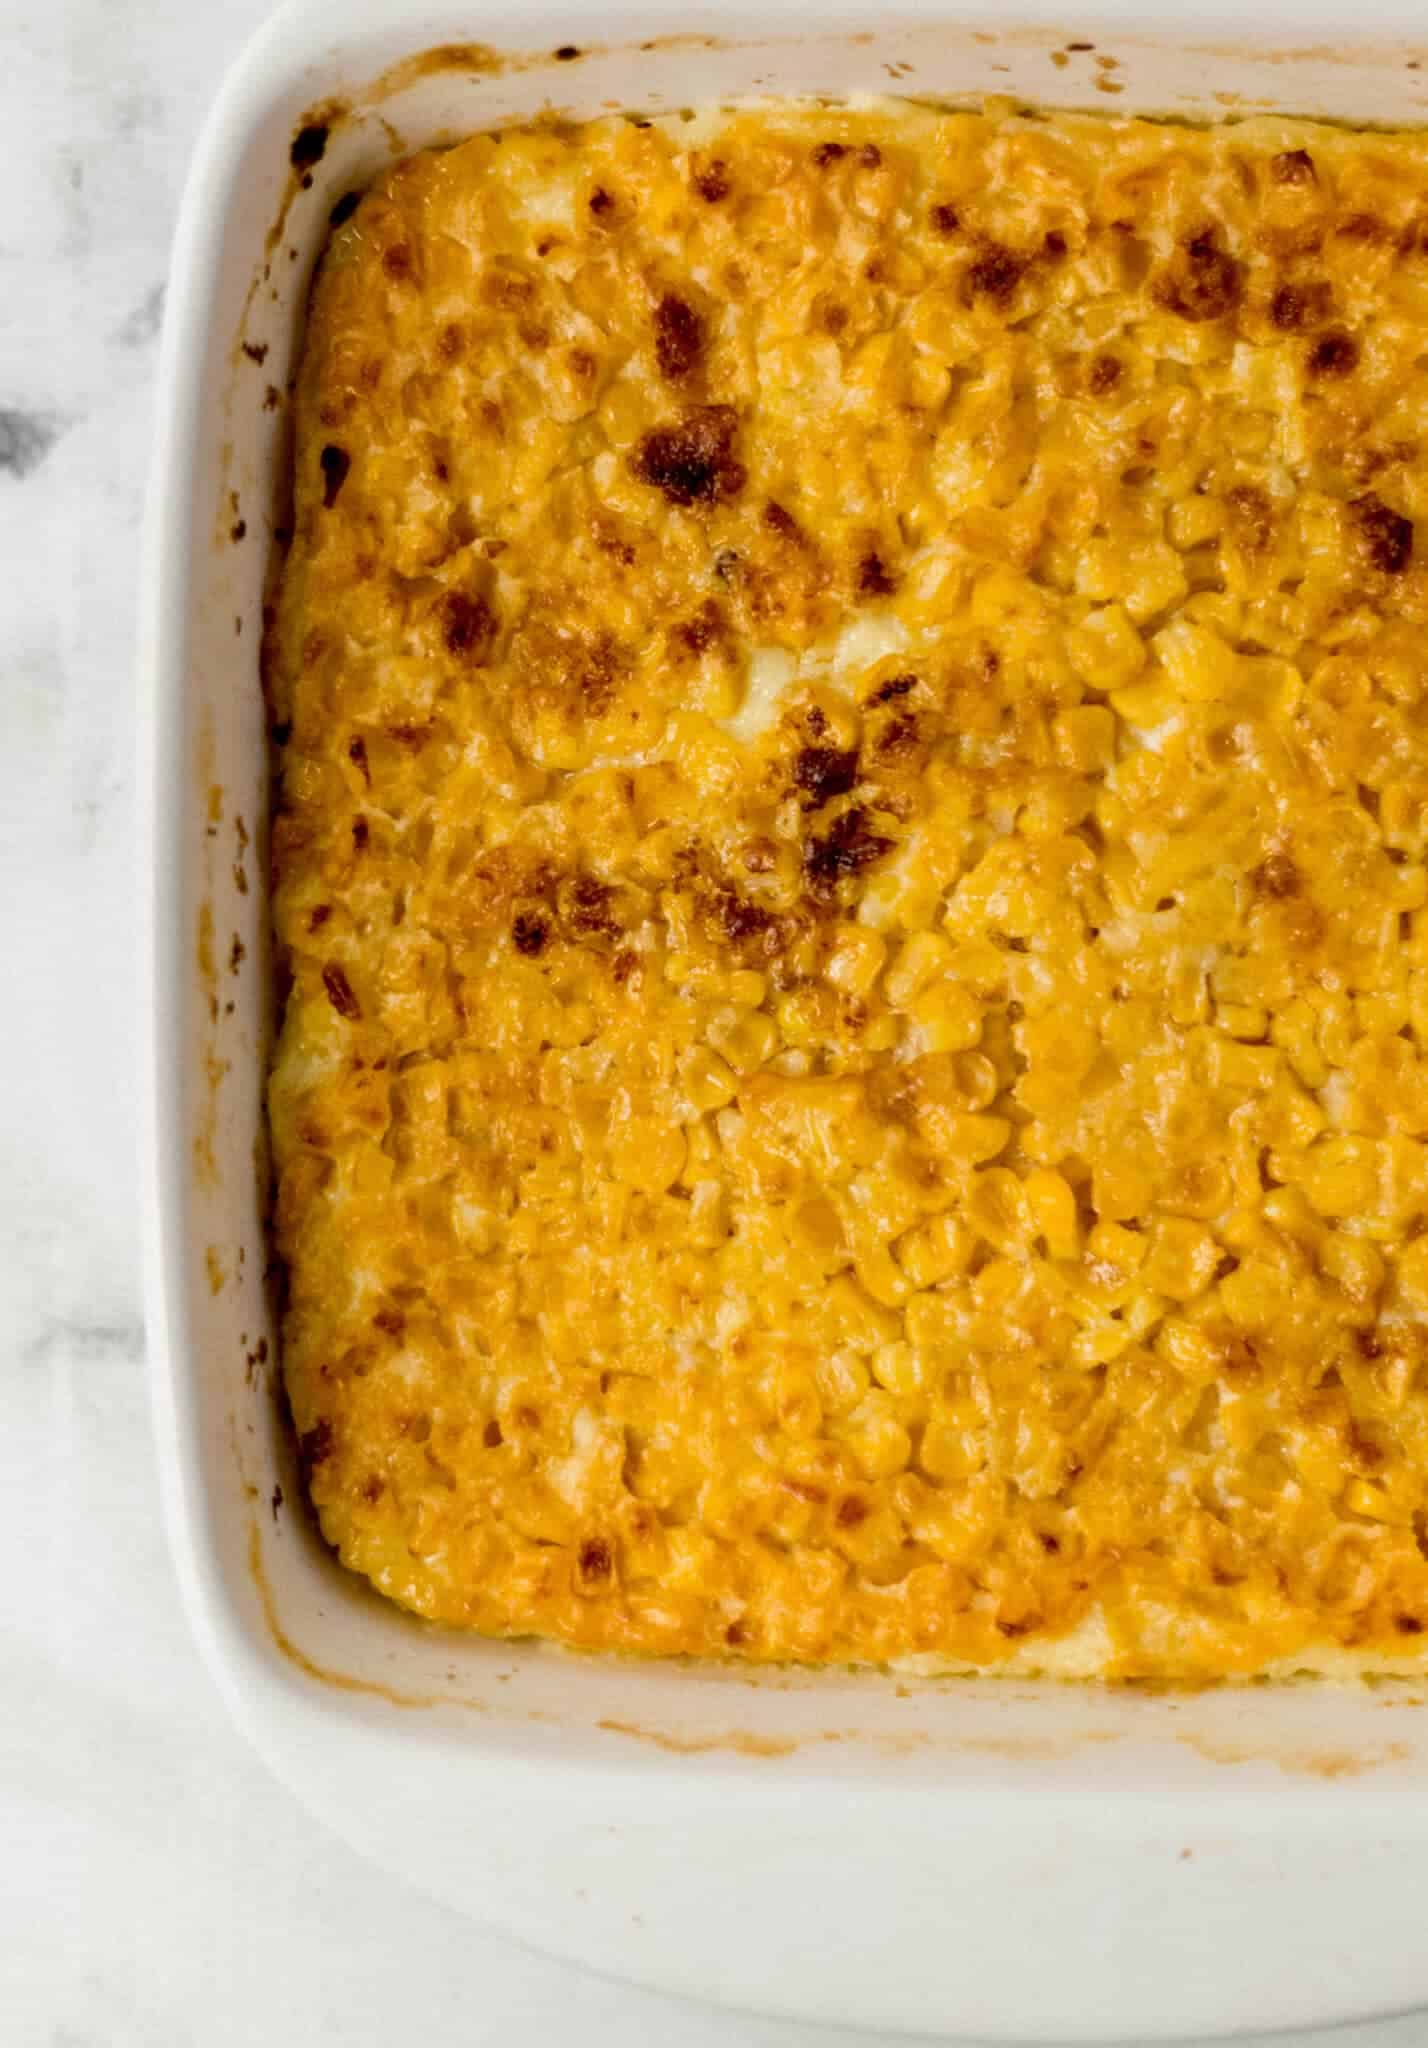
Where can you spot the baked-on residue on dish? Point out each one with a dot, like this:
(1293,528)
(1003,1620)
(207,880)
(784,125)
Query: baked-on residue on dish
(853,688)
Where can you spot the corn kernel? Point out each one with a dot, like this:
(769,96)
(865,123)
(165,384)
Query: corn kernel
(933,1319)
(1339,1177)
(1287,1209)
(1105,649)
(1113,1253)
(877,1439)
(745,989)
(794,1401)
(1194,520)
(702,1151)
(972,1140)
(1242,1020)
(807,1016)
(1362,1497)
(1196,1187)
(1383,1015)
(980,966)
(866,1324)
(817,1227)
(1293,1031)
(949,1451)
(1412,1273)
(900,893)
(881,1275)
(1403,816)
(935,1250)
(1335,1032)
(997,1210)
(1144,706)
(1142,1313)
(1085,738)
(945,1019)
(999,1284)
(708,1216)
(1247,1069)
(1356,1267)
(1053,1211)
(842,1380)
(1182,1259)
(745,1038)
(708,1081)
(900,1369)
(1198,663)
(1099,1342)
(1152,580)
(923,958)
(1121,1186)
(856,959)
(1191,1350)
(974,1080)
(647,1152)
(1187,993)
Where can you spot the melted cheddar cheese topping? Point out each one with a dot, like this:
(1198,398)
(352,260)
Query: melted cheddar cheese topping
(850,880)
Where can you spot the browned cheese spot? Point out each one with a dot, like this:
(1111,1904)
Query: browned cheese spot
(1276,876)
(875,579)
(824,772)
(335,463)
(309,146)
(1387,537)
(894,687)
(528,935)
(703,630)
(846,849)
(1366,228)
(1295,308)
(339,991)
(1335,354)
(993,274)
(1202,281)
(468,625)
(692,461)
(679,337)
(1251,517)
(1293,167)
(315,1447)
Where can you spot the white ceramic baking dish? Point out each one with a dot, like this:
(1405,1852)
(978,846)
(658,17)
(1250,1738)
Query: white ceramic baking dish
(984,1857)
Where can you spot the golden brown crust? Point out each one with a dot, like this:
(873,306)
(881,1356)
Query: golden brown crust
(851,861)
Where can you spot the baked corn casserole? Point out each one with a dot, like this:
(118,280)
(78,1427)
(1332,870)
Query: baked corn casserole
(849,881)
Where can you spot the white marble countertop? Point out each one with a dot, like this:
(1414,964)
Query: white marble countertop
(157,1889)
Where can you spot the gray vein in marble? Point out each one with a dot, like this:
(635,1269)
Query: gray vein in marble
(138,328)
(78,231)
(117,1343)
(26,438)
(138,112)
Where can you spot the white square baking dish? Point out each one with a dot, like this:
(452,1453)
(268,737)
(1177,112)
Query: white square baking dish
(983,1857)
